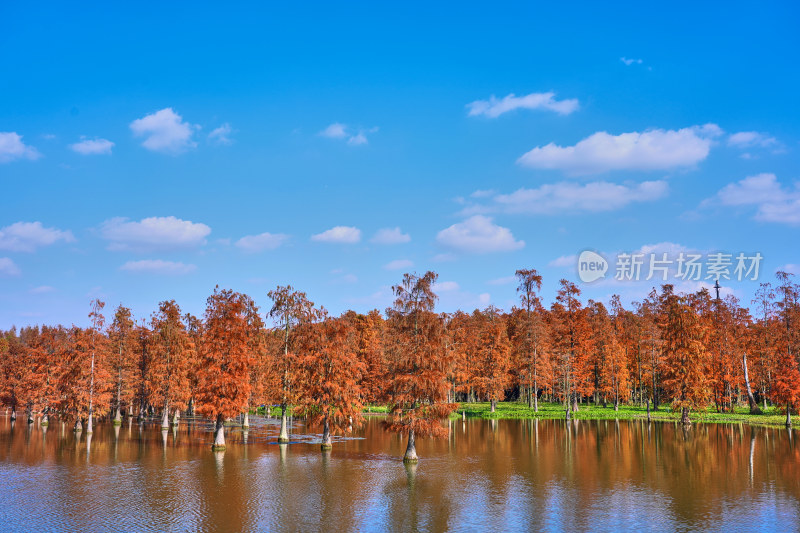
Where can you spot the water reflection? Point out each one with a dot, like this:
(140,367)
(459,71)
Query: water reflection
(520,474)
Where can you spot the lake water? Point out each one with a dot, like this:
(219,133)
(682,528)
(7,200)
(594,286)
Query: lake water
(513,475)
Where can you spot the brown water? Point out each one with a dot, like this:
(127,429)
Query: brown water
(501,475)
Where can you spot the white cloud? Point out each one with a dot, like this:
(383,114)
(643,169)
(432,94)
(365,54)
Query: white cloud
(565,261)
(8,267)
(43,289)
(649,150)
(221,135)
(629,61)
(335,131)
(357,139)
(157,266)
(478,234)
(339,234)
(502,281)
(165,131)
(390,236)
(92,146)
(493,107)
(773,201)
(565,197)
(398,264)
(28,236)
(12,147)
(153,233)
(261,242)
(754,139)
(484,298)
(790,268)
(445,286)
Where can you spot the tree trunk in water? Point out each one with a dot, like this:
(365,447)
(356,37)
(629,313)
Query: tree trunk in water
(284,436)
(246,419)
(165,419)
(219,434)
(13,414)
(493,405)
(176,417)
(45,420)
(326,435)
(567,415)
(754,410)
(648,409)
(685,416)
(78,426)
(411,449)
(89,424)
(30,416)
(788,416)
(118,416)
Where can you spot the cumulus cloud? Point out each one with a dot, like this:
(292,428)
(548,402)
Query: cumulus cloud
(337,130)
(566,197)
(8,267)
(390,236)
(773,201)
(339,234)
(502,281)
(12,147)
(565,261)
(478,234)
(494,107)
(629,61)
(157,266)
(261,242)
(92,147)
(221,135)
(399,264)
(28,236)
(165,131)
(655,149)
(748,140)
(153,233)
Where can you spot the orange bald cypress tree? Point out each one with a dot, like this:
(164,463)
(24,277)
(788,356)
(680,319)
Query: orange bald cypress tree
(171,352)
(122,361)
(331,372)
(492,354)
(570,338)
(686,359)
(417,364)
(530,338)
(226,360)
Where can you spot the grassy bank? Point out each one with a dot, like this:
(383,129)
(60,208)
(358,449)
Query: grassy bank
(514,410)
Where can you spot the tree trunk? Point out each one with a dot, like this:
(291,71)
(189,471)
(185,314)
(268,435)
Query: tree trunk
(493,405)
(219,434)
(685,416)
(535,394)
(13,414)
(788,416)
(89,424)
(567,415)
(411,449)
(176,417)
(326,435)
(45,420)
(246,419)
(165,418)
(575,403)
(648,409)
(284,436)
(78,428)
(754,410)
(118,416)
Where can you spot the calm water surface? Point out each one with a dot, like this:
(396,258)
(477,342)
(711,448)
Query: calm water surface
(489,475)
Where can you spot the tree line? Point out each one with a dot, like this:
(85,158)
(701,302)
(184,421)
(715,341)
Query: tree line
(691,351)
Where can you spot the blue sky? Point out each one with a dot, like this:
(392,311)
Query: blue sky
(153,152)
